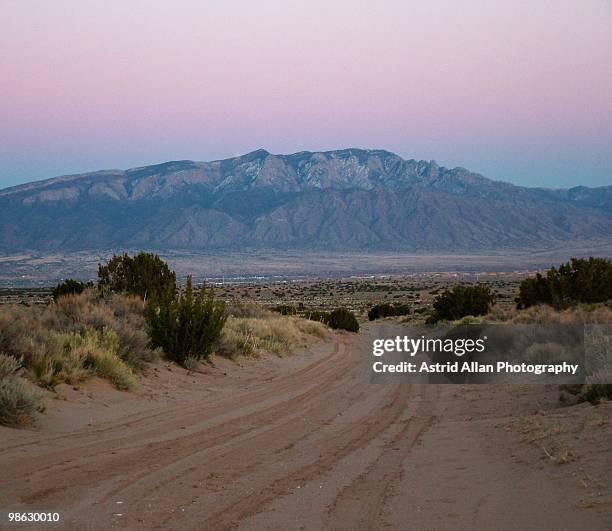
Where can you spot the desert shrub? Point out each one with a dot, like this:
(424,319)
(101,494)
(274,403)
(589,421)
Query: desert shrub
(192,364)
(589,392)
(134,346)
(74,356)
(17,330)
(594,393)
(387,310)
(186,326)
(19,403)
(71,311)
(8,366)
(145,275)
(470,320)
(108,365)
(248,309)
(579,314)
(125,315)
(499,313)
(69,287)
(285,309)
(598,347)
(318,315)
(234,342)
(78,336)
(277,334)
(546,353)
(343,319)
(578,281)
(461,301)
(44,370)
(97,351)
(311,327)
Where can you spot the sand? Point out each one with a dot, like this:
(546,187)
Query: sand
(303,442)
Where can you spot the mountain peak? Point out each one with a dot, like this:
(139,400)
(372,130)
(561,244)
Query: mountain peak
(359,199)
(258,153)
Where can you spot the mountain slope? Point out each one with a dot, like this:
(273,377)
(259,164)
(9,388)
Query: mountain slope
(337,200)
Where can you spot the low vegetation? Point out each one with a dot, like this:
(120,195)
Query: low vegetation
(113,331)
(278,334)
(338,319)
(388,310)
(343,319)
(462,301)
(69,287)
(136,314)
(145,275)
(76,337)
(580,280)
(598,343)
(19,401)
(186,326)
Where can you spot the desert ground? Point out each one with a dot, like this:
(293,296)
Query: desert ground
(358,293)
(42,269)
(304,442)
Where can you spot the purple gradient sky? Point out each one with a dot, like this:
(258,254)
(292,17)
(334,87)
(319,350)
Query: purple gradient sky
(516,90)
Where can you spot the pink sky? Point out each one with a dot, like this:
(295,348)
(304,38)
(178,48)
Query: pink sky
(518,90)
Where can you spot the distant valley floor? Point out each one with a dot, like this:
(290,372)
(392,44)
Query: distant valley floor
(44,269)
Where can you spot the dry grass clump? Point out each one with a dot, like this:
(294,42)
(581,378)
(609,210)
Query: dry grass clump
(548,352)
(98,353)
(470,320)
(277,334)
(545,314)
(19,400)
(77,337)
(248,309)
(547,433)
(598,344)
(8,366)
(581,314)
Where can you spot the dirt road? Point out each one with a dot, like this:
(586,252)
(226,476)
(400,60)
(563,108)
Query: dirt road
(302,443)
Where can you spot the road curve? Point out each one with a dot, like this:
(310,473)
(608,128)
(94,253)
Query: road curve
(315,447)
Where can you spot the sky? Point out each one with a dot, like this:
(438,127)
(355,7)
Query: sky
(516,90)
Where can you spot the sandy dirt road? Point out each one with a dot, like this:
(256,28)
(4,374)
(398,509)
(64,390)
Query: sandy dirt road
(301,443)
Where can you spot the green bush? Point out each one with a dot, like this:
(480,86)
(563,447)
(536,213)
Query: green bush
(461,301)
(285,309)
(318,315)
(145,275)
(343,319)
(388,310)
(185,326)
(69,287)
(580,280)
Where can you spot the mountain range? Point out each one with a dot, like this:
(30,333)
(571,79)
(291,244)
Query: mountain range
(350,199)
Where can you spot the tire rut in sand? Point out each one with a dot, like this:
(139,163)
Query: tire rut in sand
(359,505)
(92,465)
(351,438)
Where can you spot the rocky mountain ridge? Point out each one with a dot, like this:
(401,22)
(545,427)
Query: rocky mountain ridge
(348,199)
